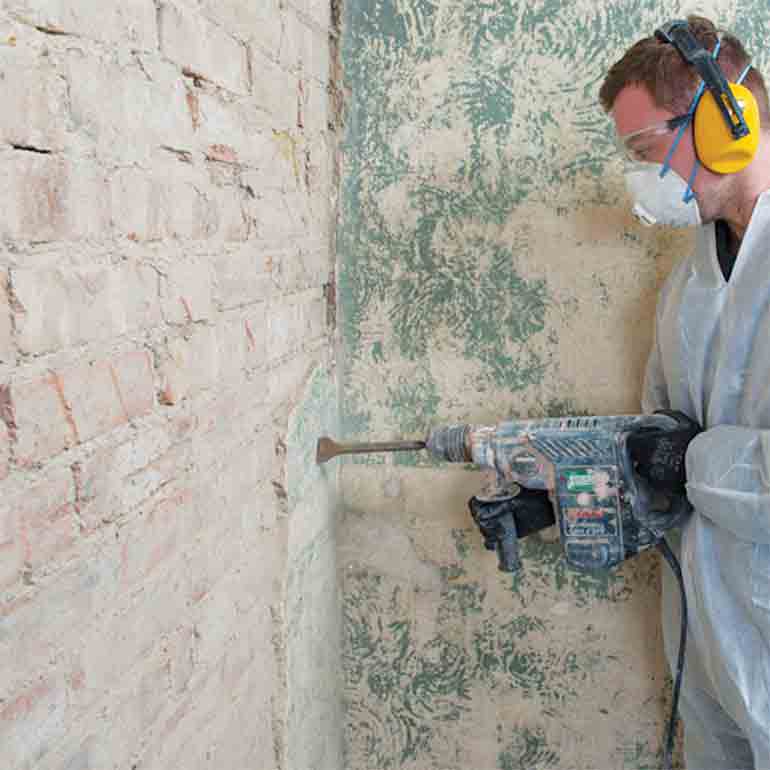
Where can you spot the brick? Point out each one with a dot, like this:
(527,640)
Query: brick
(241,278)
(286,376)
(188,365)
(43,425)
(47,514)
(216,622)
(235,222)
(181,651)
(320,12)
(305,48)
(258,23)
(279,215)
(141,618)
(222,153)
(33,636)
(115,479)
(276,92)
(242,344)
(135,381)
(298,269)
(47,197)
(31,719)
(179,727)
(284,330)
(109,732)
(166,202)
(91,394)
(203,48)
(58,308)
(219,550)
(186,292)
(5,450)
(112,21)
(294,45)
(317,64)
(219,450)
(280,164)
(34,101)
(151,541)
(121,111)
(11,550)
(317,109)
(138,295)
(41,520)
(219,122)
(314,317)
(247,468)
(7,352)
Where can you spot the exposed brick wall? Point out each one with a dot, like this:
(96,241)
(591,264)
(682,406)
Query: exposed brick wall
(167,191)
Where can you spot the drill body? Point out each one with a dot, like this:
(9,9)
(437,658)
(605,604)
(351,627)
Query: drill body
(605,512)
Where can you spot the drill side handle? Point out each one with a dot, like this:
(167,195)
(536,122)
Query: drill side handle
(508,558)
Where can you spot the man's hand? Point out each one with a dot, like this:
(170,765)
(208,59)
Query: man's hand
(658,455)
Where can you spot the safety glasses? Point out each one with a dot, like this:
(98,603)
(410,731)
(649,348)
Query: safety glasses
(637,146)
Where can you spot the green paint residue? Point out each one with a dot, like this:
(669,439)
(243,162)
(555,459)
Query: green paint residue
(507,662)
(400,691)
(414,402)
(639,755)
(464,290)
(460,537)
(378,356)
(460,600)
(526,750)
(414,689)
(545,570)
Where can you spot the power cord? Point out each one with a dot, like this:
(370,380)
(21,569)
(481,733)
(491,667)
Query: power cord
(668,751)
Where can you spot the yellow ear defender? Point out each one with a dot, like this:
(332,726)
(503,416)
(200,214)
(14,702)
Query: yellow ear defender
(717,149)
(726,122)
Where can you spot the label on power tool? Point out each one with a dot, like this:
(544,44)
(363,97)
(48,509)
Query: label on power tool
(590,515)
(579,479)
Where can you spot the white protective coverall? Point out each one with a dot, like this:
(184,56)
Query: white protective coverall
(711,360)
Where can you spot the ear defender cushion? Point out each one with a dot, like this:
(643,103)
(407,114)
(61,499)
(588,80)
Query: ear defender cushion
(716,148)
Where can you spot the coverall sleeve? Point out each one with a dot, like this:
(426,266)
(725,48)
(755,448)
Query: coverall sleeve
(728,479)
(654,391)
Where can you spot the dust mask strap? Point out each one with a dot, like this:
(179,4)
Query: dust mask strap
(689,194)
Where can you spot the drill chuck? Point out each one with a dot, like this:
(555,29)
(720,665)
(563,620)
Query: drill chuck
(450,443)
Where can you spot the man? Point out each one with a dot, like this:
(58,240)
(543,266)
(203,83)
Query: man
(711,361)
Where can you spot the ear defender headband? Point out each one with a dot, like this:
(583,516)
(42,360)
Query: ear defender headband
(725,115)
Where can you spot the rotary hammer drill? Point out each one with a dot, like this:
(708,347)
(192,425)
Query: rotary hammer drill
(606,511)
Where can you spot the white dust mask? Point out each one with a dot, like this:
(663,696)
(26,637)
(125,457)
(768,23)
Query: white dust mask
(660,196)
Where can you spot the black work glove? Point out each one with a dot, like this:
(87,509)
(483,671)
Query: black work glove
(503,522)
(659,454)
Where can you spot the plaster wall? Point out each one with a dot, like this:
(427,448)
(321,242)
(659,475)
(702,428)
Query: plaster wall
(490,269)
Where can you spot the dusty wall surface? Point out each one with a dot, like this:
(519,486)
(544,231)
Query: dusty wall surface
(167,575)
(489,269)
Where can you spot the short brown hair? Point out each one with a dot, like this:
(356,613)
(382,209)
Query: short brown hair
(672,82)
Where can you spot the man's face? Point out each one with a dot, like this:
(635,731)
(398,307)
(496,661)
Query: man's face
(634,109)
